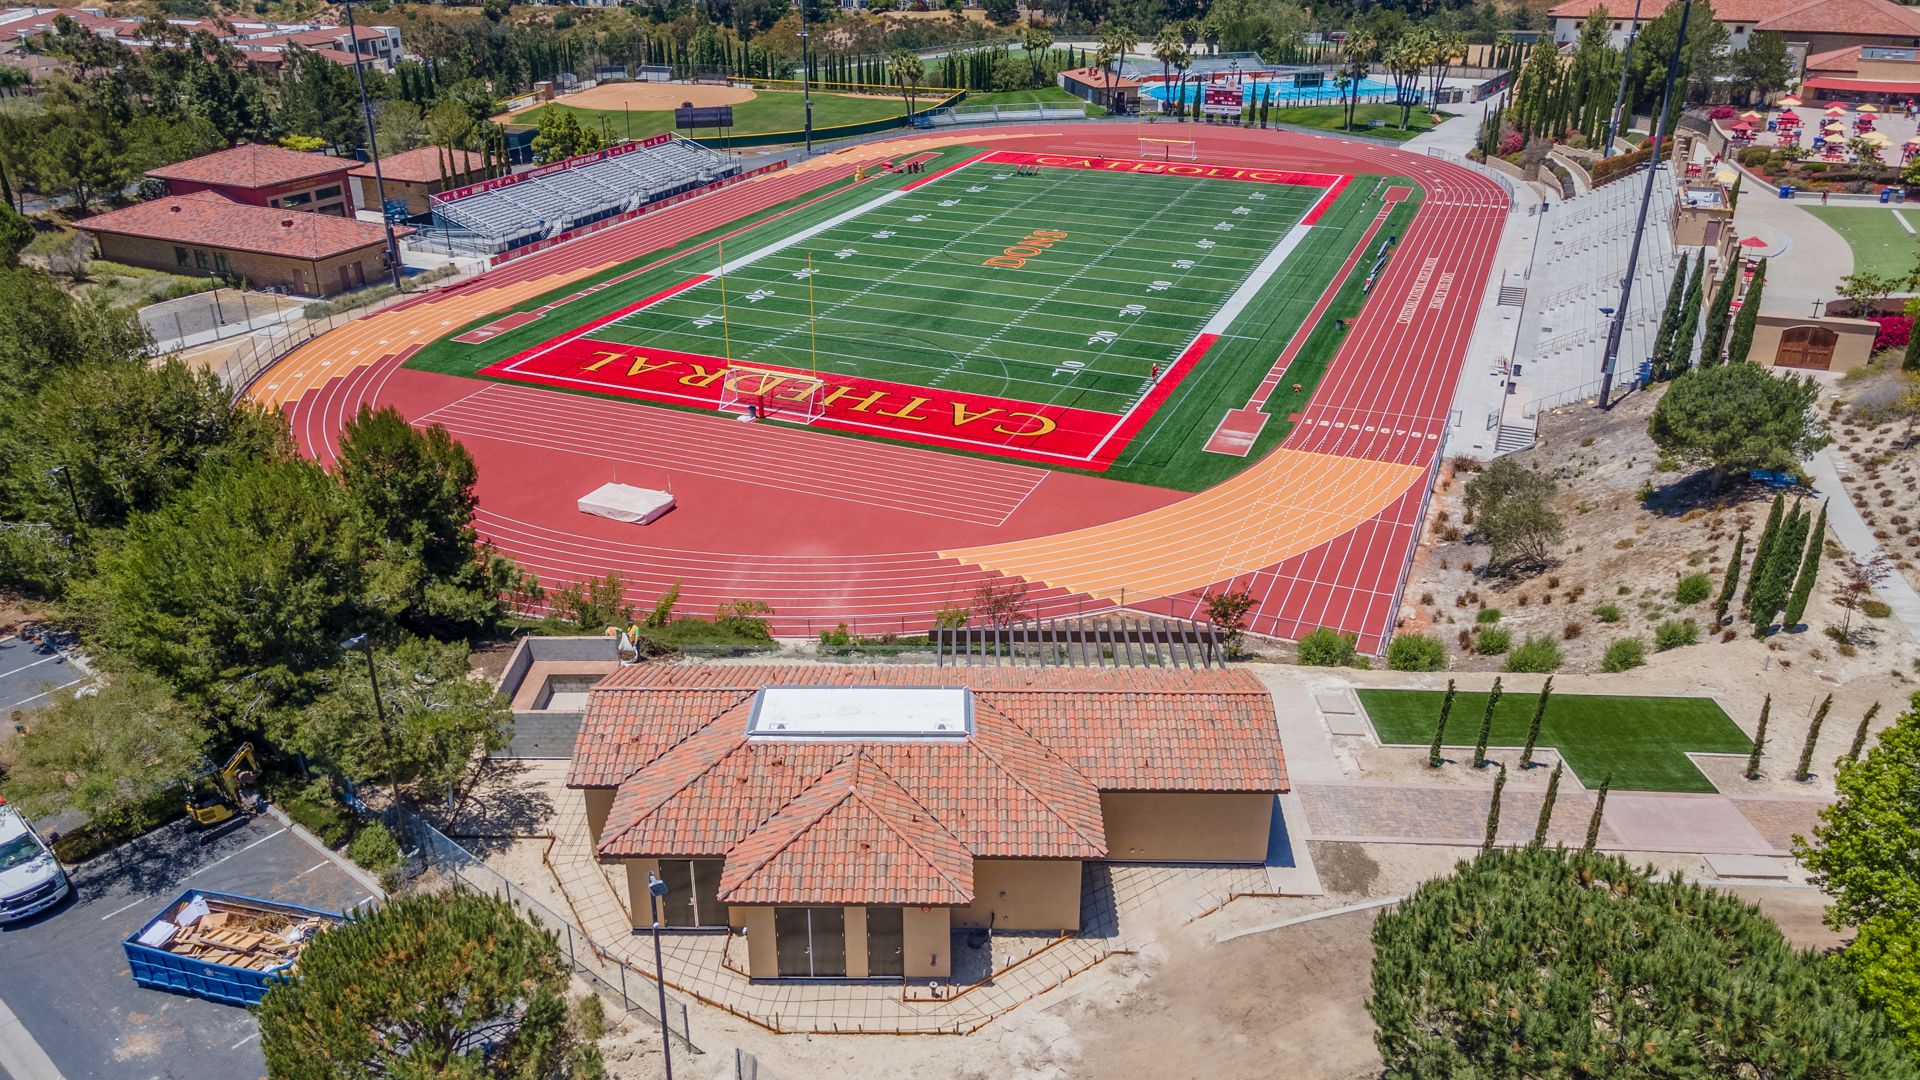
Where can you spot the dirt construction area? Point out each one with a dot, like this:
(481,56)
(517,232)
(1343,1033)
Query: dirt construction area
(645,97)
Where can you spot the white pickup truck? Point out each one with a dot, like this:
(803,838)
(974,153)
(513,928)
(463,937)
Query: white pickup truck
(31,880)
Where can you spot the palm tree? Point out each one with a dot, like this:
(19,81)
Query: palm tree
(1357,55)
(1168,49)
(1116,41)
(12,79)
(1036,39)
(907,71)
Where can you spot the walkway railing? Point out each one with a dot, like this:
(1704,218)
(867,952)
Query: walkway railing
(632,989)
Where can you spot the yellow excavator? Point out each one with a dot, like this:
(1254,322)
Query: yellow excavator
(214,797)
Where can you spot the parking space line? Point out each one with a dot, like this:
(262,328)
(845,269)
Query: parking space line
(230,855)
(315,866)
(37,663)
(136,903)
(244,1041)
(46,693)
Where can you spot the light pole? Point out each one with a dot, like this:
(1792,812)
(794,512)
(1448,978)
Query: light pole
(806,96)
(1619,327)
(364,644)
(373,150)
(657,890)
(1620,96)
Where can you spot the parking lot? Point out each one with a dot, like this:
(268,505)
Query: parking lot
(29,674)
(66,975)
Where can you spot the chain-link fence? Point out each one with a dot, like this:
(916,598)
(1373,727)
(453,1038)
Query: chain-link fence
(630,988)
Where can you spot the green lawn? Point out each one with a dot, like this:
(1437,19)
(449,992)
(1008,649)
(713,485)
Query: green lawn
(770,110)
(1879,244)
(1641,741)
(1330,118)
(906,306)
(1050,95)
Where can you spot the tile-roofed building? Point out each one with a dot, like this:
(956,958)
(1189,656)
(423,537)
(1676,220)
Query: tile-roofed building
(204,234)
(1882,74)
(787,800)
(416,175)
(262,43)
(265,176)
(1809,26)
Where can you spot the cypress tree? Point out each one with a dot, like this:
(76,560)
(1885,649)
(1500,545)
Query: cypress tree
(1730,583)
(1911,361)
(1749,314)
(1719,319)
(1440,729)
(1759,740)
(1771,592)
(1486,727)
(1768,534)
(1493,811)
(1533,726)
(1860,733)
(1803,773)
(1669,322)
(1809,570)
(1680,356)
(1599,810)
(1546,807)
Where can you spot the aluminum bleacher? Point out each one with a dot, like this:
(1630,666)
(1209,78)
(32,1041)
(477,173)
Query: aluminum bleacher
(587,190)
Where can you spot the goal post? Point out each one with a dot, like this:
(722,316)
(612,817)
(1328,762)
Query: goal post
(1163,149)
(768,393)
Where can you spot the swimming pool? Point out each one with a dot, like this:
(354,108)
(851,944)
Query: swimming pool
(1281,90)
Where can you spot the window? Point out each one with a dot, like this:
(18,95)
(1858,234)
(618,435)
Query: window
(328,193)
(200,259)
(693,893)
(1616,28)
(220,262)
(1739,29)
(301,199)
(180,257)
(810,943)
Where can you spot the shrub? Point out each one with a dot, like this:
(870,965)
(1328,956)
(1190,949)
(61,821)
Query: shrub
(1755,155)
(1607,613)
(374,849)
(1674,633)
(1487,616)
(1493,641)
(1623,655)
(315,806)
(1326,647)
(1875,609)
(1693,588)
(1894,331)
(1571,630)
(1538,655)
(1416,652)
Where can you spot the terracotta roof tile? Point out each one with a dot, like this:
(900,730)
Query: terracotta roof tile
(1871,18)
(252,166)
(209,220)
(425,165)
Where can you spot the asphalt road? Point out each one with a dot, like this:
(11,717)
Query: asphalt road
(66,975)
(30,673)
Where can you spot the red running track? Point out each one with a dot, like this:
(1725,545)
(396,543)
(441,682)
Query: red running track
(822,555)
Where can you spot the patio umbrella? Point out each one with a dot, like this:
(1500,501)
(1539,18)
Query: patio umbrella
(1877,138)
(1789,119)
(1749,115)
(1742,126)
(1788,102)
(1915,141)
(1869,107)
(1836,110)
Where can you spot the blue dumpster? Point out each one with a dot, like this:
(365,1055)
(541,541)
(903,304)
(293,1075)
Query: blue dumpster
(183,948)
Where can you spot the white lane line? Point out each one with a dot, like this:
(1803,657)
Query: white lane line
(230,855)
(136,903)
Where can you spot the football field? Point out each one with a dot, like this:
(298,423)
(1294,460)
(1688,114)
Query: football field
(1023,305)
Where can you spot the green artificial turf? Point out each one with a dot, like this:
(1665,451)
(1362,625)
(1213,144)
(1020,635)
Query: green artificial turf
(1046,95)
(1331,117)
(917,307)
(1641,741)
(1879,244)
(770,110)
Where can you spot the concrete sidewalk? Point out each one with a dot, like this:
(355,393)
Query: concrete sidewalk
(1857,537)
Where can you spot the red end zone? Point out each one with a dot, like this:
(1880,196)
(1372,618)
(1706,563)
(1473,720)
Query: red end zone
(1004,427)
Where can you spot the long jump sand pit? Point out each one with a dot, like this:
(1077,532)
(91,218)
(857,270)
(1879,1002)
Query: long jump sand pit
(647,97)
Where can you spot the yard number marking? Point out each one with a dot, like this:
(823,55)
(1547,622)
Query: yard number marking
(1159,286)
(1104,337)
(758,295)
(1243,211)
(845,253)
(1183,264)
(1133,309)
(1204,245)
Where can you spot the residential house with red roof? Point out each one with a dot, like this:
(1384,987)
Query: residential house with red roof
(849,820)
(205,235)
(264,44)
(271,176)
(1809,26)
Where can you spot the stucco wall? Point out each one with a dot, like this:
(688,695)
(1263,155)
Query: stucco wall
(927,938)
(1853,349)
(856,922)
(1186,827)
(1023,894)
(599,803)
(299,276)
(639,903)
(763,956)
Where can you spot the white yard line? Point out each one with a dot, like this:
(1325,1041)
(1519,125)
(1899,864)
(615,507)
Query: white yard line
(1902,219)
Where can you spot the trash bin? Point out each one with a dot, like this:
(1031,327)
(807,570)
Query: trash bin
(1786,191)
(1899,195)
(1886,194)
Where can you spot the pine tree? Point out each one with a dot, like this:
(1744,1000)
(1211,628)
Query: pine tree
(1599,812)
(1493,811)
(1730,583)
(1803,773)
(1440,729)
(1719,318)
(1759,739)
(1546,807)
(1533,726)
(1669,322)
(1860,733)
(1486,727)
(1768,534)
(1680,356)
(1749,315)
(1809,570)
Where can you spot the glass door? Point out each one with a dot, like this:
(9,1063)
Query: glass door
(810,943)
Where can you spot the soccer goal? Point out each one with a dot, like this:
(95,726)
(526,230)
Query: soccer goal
(758,393)
(1169,149)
